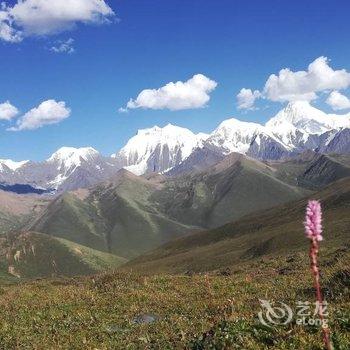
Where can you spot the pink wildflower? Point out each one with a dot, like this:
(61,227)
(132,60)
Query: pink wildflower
(313,230)
(313,220)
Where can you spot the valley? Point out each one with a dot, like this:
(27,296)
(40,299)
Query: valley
(106,241)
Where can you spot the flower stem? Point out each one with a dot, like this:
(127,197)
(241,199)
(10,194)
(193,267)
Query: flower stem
(316,275)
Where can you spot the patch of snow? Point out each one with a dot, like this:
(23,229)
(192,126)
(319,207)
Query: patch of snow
(12,165)
(58,180)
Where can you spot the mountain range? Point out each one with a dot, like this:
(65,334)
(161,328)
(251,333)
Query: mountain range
(174,150)
(127,215)
(167,186)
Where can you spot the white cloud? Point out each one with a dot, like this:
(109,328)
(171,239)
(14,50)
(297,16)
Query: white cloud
(7,32)
(123,110)
(7,111)
(338,101)
(246,98)
(48,112)
(304,85)
(193,93)
(44,17)
(63,46)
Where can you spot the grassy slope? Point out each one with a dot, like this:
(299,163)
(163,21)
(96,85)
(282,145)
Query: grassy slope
(273,231)
(135,225)
(74,219)
(9,222)
(116,216)
(130,215)
(32,255)
(95,259)
(325,169)
(312,170)
(234,187)
(16,210)
(267,256)
(193,312)
(291,169)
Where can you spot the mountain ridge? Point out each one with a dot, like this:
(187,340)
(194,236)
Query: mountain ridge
(296,128)
(128,214)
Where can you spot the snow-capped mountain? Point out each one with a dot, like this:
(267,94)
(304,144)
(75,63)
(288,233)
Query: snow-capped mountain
(11,165)
(172,149)
(158,149)
(233,135)
(8,169)
(67,160)
(297,127)
(67,169)
(299,121)
(302,116)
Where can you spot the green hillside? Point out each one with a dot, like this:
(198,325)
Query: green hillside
(25,255)
(325,169)
(9,222)
(270,232)
(17,210)
(130,215)
(227,191)
(74,219)
(116,216)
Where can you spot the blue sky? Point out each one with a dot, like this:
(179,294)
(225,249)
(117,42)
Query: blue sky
(147,44)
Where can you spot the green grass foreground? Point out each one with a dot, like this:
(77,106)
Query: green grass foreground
(218,311)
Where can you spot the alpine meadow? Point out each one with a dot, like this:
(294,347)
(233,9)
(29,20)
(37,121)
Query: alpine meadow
(174,175)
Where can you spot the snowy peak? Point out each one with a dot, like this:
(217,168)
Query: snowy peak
(73,157)
(299,122)
(235,124)
(158,149)
(168,130)
(302,116)
(71,152)
(299,111)
(147,140)
(296,127)
(233,135)
(72,168)
(12,165)
(168,134)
